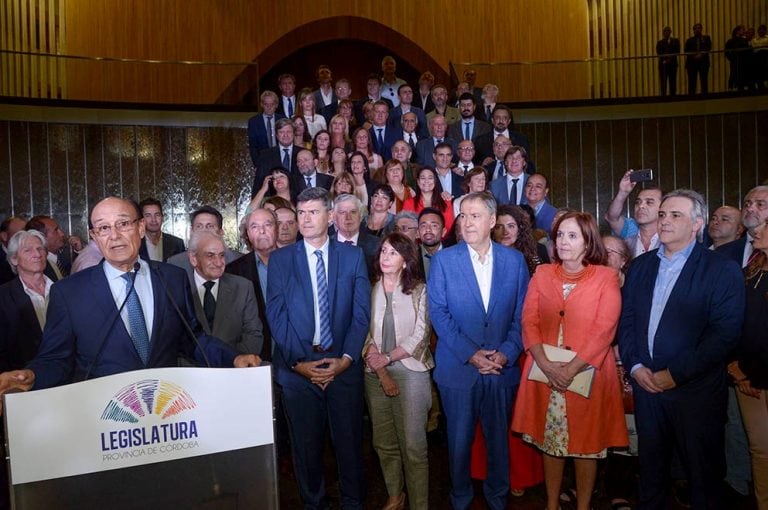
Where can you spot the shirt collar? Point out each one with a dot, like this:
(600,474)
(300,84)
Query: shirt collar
(475,256)
(684,253)
(354,238)
(113,273)
(30,291)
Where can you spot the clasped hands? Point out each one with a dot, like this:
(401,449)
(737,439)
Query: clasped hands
(378,363)
(15,380)
(654,382)
(488,362)
(322,372)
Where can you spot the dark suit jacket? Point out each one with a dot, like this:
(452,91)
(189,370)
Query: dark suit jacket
(700,324)
(359,109)
(291,310)
(258,140)
(269,159)
(425,149)
(50,272)
(705,46)
(322,181)
(20,334)
(281,109)
(320,102)
(456,189)
(6,273)
(395,114)
(668,47)
(236,321)
(80,311)
(460,320)
(427,105)
(391,135)
(498,188)
(456,130)
(484,144)
(246,267)
(734,250)
(171,246)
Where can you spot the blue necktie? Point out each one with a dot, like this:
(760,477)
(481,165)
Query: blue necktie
(326,340)
(286,159)
(379,141)
(136,321)
(466,131)
(513,192)
(270,135)
(290,107)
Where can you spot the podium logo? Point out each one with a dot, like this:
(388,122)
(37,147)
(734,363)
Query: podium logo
(144,409)
(143,398)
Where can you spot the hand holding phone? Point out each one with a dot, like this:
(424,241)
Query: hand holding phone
(642,175)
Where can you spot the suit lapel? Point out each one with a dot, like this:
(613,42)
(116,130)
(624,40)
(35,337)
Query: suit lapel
(28,315)
(224,298)
(498,278)
(301,270)
(333,272)
(199,312)
(467,272)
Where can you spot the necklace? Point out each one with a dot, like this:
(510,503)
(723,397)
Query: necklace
(567,277)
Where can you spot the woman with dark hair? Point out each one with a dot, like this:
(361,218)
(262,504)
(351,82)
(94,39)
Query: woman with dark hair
(314,121)
(277,184)
(475,180)
(301,135)
(379,216)
(513,229)
(569,322)
(361,176)
(394,175)
(346,109)
(750,370)
(397,382)
(362,143)
(429,193)
(321,150)
(338,161)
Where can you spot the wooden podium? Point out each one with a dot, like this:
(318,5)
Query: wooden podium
(169,438)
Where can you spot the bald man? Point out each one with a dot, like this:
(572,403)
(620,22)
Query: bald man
(724,226)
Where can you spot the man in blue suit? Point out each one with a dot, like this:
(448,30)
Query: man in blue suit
(681,317)
(476,291)
(85,337)
(510,188)
(261,128)
(318,309)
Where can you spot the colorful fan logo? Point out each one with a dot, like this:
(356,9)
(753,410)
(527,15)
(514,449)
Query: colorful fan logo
(143,398)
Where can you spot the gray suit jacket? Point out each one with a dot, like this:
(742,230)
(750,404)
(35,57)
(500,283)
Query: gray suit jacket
(237,320)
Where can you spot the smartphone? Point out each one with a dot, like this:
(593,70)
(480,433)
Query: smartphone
(642,175)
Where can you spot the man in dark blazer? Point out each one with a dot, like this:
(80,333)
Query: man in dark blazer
(261,236)
(697,50)
(286,105)
(225,304)
(683,307)
(478,325)
(59,265)
(382,136)
(667,48)
(348,213)
(308,176)
(468,124)
(754,211)
(405,93)
(425,148)
(261,128)
(85,337)
(165,245)
(513,182)
(282,155)
(318,306)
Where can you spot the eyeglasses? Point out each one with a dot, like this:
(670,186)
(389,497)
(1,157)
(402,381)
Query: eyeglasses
(616,252)
(398,228)
(120,226)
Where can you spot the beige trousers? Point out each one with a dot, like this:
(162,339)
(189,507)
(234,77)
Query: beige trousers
(754,413)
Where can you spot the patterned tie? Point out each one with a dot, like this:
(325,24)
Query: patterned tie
(513,192)
(290,107)
(286,159)
(136,321)
(269,131)
(309,182)
(466,168)
(326,340)
(411,141)
(62,268)
(209,303)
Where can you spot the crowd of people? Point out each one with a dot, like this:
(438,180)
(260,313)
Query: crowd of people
(746,51)
(409,260)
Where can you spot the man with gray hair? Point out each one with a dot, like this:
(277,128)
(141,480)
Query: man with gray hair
(225,304)
(682,311)
(348,213)
(754,211)
(407,223)
(261,127)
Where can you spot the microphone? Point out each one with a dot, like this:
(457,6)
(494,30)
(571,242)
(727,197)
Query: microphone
(105,333)
(184,320)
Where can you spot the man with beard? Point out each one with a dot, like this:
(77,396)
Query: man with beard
(431,233)
(640,233)
(156,244)
(469,128)
(440,103)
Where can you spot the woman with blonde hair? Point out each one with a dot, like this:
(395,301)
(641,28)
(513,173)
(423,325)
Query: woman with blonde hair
(314,121)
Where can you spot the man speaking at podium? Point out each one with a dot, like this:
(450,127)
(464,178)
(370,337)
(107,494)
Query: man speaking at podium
(83,335)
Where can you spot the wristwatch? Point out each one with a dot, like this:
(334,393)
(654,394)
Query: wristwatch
(389,359)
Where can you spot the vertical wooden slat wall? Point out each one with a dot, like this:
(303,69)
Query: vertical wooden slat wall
(61,169)
(35,26)
(635,26)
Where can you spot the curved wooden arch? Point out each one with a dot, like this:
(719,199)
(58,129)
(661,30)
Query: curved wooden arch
(330,29)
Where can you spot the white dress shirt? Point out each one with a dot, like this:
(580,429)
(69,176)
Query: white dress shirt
(312,263)
(39,303)
(483,273)
(155,251)
(199,281)
(142,287)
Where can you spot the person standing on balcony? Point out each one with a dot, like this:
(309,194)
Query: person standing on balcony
(667,49)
